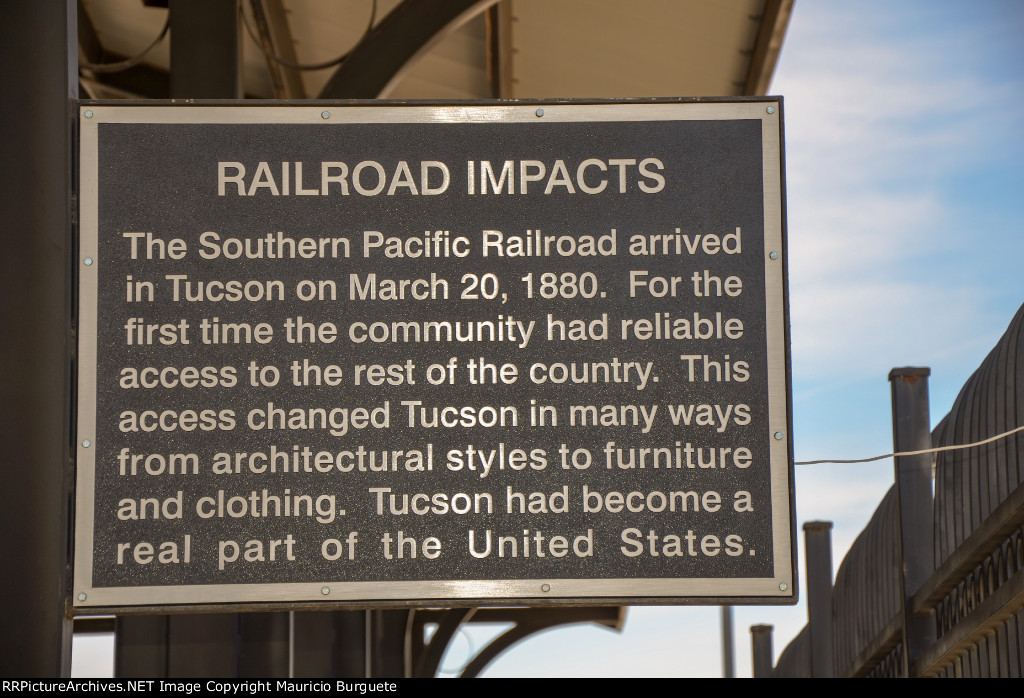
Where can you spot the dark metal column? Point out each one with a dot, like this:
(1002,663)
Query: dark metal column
(311,644)
(761,639)
(205,49)
(140,647)
(263,645)
(349,657)
(912,432)
(329,644)
(818,545)
(728,653)
(387,646)
(202,646)
(205,59)
(38,49)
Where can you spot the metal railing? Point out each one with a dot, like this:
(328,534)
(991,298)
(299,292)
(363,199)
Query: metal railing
(958,611)
(866,598)
(795,660)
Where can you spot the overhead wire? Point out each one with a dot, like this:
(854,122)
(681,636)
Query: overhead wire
(938,449)
(305,66)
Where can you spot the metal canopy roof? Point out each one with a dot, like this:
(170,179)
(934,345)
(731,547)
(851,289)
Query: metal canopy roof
(461,49)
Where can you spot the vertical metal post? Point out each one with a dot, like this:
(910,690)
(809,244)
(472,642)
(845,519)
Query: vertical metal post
(761,639)
(205,59)
(202,646)
(263,645)
(214,645)
(312,642)
(350,655)
(818,545)
(205,49)
(728,655)
(140,647)
(329,644)
(38,47)
(388,640)
(912,432)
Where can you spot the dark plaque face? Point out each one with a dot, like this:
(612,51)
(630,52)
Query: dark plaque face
(432,353)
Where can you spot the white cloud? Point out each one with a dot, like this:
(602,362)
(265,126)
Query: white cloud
(876,128)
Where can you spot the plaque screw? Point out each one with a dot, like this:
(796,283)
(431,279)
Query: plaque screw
(86,443)
(325,114)
(325,591)
(87,261)
(770,110)
(540,112)
(774,255)
(783,587)
(88,113)
(545,587)
(82,596)
(778,436)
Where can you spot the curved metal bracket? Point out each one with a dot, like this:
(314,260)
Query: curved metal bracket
(426,659)
(429,660)
(498,645)
(530,621)
(408,31)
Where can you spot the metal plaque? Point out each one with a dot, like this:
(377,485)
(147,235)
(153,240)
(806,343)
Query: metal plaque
(437,355)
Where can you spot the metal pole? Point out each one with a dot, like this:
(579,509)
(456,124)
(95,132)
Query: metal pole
(912,432)
(263,645)
(205,49)
(728,654)
(818,543)
(349,654)
(202,646)
(312,644)
(140,647)
(761,639)
(205,58)
(38,47)
(388,635)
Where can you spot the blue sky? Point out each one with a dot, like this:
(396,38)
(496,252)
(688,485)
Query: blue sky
(904,147)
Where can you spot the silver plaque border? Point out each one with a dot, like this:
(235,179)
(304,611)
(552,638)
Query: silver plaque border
(778,588)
